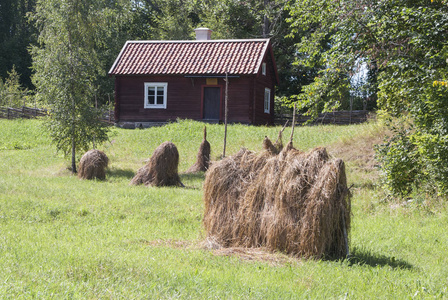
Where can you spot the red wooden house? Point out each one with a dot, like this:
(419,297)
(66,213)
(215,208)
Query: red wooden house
(158,81)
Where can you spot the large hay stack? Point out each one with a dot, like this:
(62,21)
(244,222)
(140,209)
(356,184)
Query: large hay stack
(282,199)
(161,169)
(93,164)
(203,158)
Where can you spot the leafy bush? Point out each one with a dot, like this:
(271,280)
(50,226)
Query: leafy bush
(417,154)
(399,162)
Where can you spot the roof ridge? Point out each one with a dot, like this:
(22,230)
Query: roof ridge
(237,56)
(195,41)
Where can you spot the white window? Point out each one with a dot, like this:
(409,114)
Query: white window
(155,94)
(267,100)
(263,69)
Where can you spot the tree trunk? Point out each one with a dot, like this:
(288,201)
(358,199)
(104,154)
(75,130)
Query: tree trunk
(266,21)
(71,91)
(73,155)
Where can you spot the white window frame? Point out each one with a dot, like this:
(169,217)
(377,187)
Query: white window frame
(156,85)
(263,68)
(267,100)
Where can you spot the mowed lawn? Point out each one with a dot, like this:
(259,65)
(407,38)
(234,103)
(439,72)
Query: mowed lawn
(64,238)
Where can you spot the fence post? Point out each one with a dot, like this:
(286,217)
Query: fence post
(108,106)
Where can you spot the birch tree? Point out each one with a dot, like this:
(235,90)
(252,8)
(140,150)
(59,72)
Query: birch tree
(66,66)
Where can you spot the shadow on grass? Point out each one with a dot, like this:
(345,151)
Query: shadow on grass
(192,176)
(192,180)
(365,257)
(365,185)
(120,174)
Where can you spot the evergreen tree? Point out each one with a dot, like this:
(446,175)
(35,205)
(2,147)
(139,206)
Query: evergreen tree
(12,94)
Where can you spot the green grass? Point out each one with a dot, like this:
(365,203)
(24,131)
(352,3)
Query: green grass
(61,237)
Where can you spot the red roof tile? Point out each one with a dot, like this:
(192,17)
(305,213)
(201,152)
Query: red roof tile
(239,57)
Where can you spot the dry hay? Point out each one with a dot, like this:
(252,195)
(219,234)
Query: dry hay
(161,169)
(282,199)
(245,254)
(203,158)
(93,164)
(256,255)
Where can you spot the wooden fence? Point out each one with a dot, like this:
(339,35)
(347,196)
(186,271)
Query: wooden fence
(22,112)
(108,116)
(337,117)
(28,113)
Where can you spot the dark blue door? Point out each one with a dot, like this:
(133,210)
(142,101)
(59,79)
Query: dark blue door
(212,103)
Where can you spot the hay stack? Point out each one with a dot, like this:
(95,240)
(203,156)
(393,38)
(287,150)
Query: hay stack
(93,164)
(161,169)
(203,158)
(282,199)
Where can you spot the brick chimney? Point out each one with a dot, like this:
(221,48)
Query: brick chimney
(203,34)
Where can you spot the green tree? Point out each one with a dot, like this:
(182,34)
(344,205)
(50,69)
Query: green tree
(66,67)
(233,19)
(112,29)
(164,19)
(404,44)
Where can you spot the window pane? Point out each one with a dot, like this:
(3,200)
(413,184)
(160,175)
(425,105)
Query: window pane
(155,95)
(151,92)
(267,100)
(160,90)
(151,95)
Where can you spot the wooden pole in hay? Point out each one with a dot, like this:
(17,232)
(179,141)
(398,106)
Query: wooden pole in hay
(203,157)
(225,115)
(290,202)
(293,123)
(161,169)
(278,143)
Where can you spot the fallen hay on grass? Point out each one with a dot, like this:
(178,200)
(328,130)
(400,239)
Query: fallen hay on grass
(256,255)
(161,169)
(282,199)
(93,165)
(203,158)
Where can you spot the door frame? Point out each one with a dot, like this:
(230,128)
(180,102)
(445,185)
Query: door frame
(221,96)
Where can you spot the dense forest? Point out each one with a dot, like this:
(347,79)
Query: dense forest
(390,55)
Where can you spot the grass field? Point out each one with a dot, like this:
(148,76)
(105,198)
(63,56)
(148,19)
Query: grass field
(63,238)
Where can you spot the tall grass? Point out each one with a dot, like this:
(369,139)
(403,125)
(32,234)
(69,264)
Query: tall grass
(61,237)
